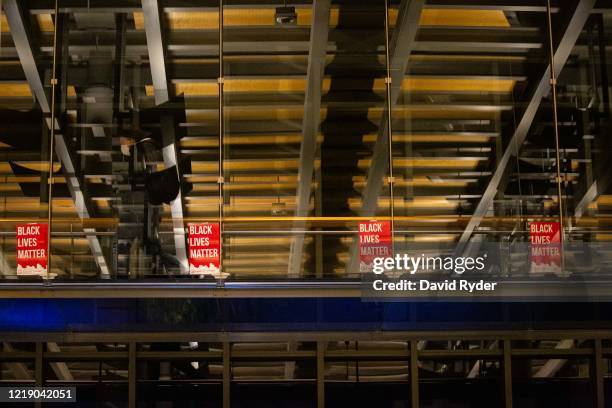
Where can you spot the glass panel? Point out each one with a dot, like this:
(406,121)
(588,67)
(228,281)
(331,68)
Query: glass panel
(24,135)
(294,154)
(458,112)
(125,123)
(584,103)
(297,107)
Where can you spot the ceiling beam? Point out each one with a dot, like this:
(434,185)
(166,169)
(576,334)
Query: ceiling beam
(126,6)
(19,369)
(563,50)
(505,5)
(402,44)
(310,124)
(60,369)
(552,366)
(152,20)
(15,14)
(591,194)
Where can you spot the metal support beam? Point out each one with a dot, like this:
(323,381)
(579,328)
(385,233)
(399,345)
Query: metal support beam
(132,374)
(227,374)
(507,367)
(563,50)
(152,14)
(38,365)
(19,369)
(321,374)
(414,374)
(310,123)
(510,5)
(122,6)
(152,20)
(16,17)
(595,190)
(552,366)
(39,369)
(598,371)
(290,365)
(60,369)
(402,45)
(475,370)
(120,58)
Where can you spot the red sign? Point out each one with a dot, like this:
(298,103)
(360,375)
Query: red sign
(204,248)
(374,242)
(32,249)
(545,238)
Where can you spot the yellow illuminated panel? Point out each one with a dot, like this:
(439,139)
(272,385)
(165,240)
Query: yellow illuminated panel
(33,204)
(464,18)
(416,203)
(245,165)
(22,90)
(457,85)
(244,140)
(298,85)
(5,168)
(237,17)
(433,138)
(4,27)
(15,90)
(209,20)
(463,163)
(361,182)
(45,22)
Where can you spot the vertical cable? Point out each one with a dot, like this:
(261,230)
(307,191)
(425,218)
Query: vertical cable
(389,127)
(221,180)
(553,86)
(5,178)
(516,157)
(52,140)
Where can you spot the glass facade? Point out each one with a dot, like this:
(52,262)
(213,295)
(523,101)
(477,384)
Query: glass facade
(204,176)
(291,129)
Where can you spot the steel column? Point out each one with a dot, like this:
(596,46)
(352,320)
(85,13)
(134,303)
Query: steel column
(401,46)
(414,374)
(227,374)
(39,369)
(310,124)
(152,21)
(507,373)
(321,346)
(598,370)
(132,373)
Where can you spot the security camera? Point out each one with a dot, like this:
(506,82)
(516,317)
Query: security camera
(285,16)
